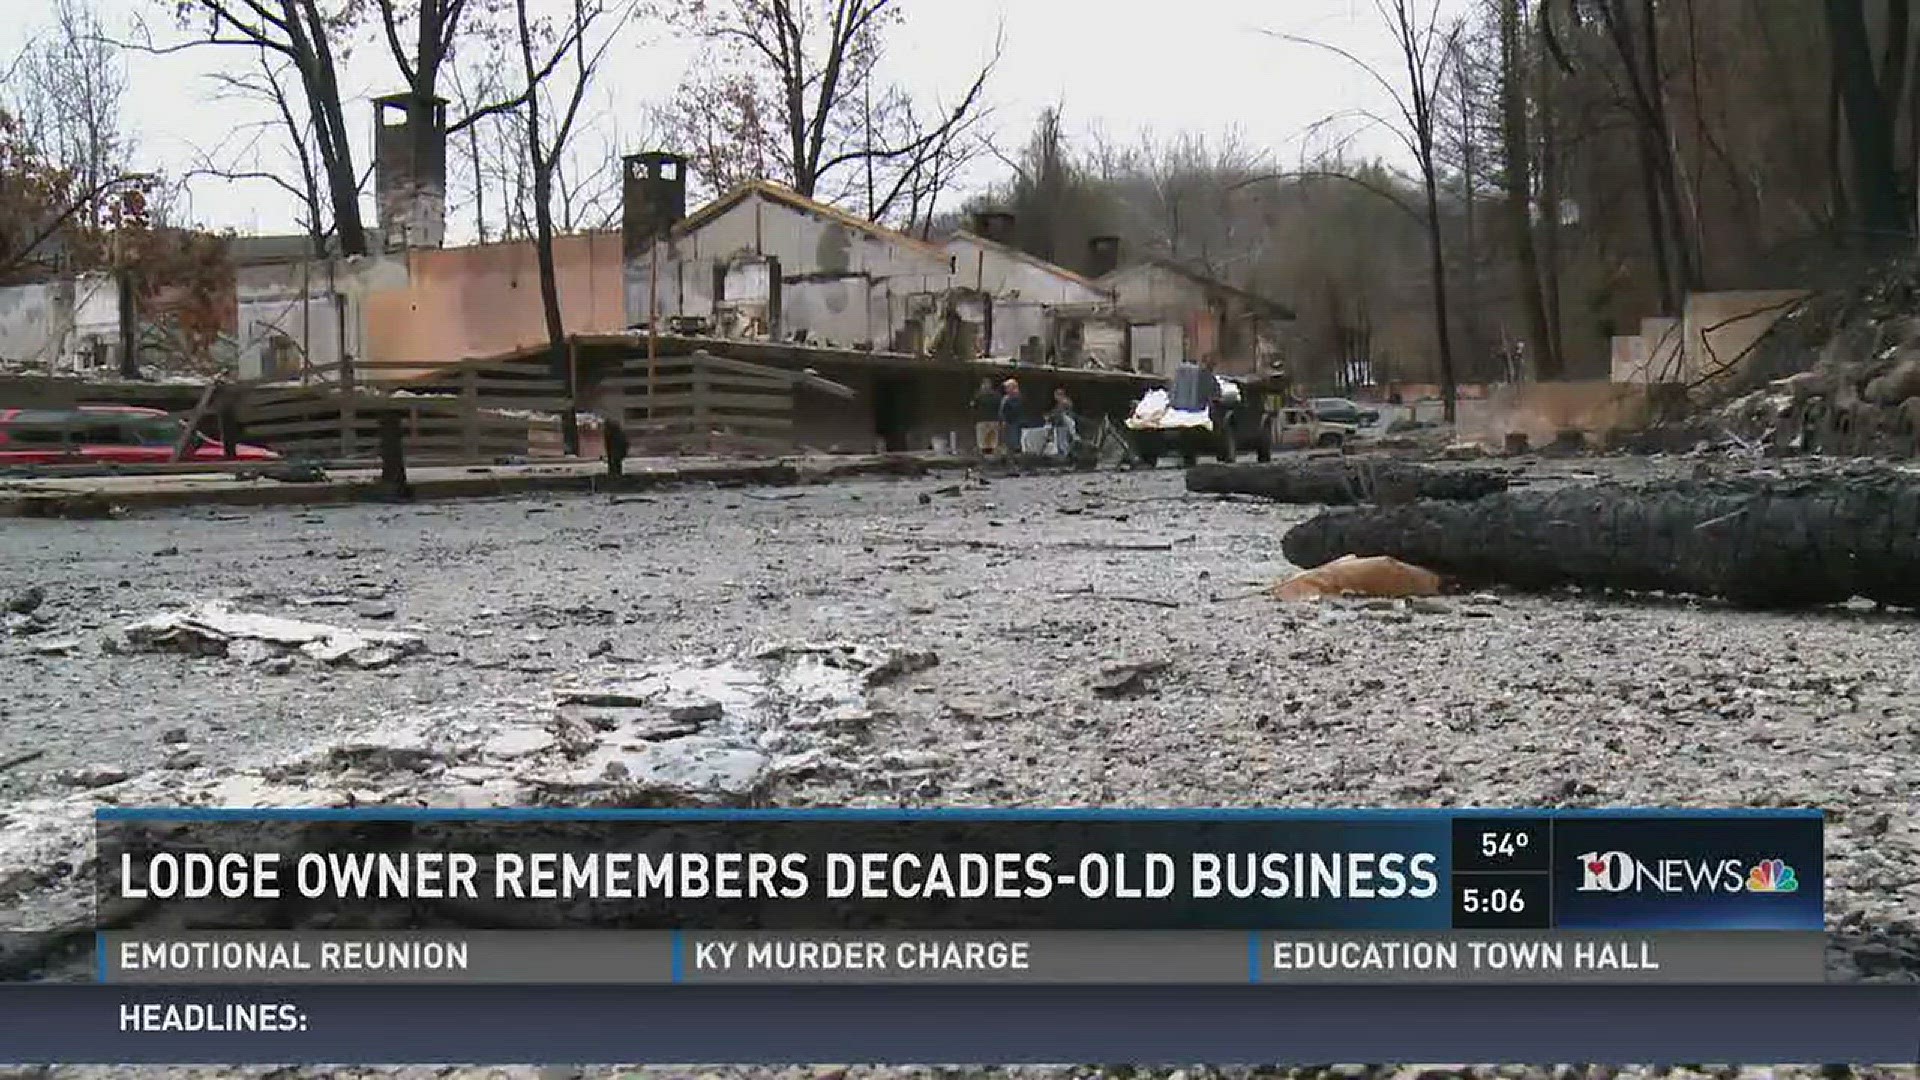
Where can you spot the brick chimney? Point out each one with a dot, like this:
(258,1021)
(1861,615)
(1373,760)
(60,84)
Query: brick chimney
(1103,256)
(653,198)
(409,175)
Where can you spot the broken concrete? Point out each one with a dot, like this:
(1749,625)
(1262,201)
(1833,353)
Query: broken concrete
(1127,678)
(763,718)
(113,496)
(215,629)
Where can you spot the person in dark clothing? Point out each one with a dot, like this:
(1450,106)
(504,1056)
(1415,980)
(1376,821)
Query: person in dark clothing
(1011,415)
(604,400)
(986,418)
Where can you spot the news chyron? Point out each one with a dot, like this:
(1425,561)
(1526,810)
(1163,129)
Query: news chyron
(283,911)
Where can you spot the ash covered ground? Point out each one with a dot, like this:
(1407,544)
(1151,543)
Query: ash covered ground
(1066,675)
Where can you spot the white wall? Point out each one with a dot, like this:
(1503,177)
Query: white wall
(854,284)
(1024,292)
(1150,291)
(53,326)
(1663,344)
(1157,347)
(1108,344)
(1010,277)
(319,305)
(35,321)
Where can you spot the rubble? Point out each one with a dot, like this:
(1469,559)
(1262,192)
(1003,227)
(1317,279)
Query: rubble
(1763,539)
(1340,482)
(215,629)
(21,624)
(1837,375)
(97,776)
(1267,704)
(1126,679)
(751,722)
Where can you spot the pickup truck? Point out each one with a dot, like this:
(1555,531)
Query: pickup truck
(1300,429)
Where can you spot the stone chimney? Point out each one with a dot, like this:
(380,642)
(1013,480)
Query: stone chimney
(1103,256)
(409,175)
(653,198)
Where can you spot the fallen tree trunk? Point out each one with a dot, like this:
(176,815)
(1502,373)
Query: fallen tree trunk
(1759,541)
(1344,483)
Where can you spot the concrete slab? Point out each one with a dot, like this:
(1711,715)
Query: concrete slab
(101,496)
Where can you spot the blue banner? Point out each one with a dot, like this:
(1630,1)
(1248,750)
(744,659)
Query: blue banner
(1640,870)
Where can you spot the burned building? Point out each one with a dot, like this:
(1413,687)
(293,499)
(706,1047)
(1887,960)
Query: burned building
(1023,307)
(764,262)
(1174,313)
(410,171)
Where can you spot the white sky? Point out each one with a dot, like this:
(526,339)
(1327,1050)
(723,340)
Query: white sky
(1126,67)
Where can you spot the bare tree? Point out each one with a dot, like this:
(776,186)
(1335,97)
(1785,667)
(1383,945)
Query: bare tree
(550,120)
(424,37)
(242,157)
(66,90)
(1517,150)
(1869,109)
(1426,50)
(587,180)
(304,33)
(790,90)
(488,171)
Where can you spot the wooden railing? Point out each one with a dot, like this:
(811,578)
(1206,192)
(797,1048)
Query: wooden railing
(477,412)
(482,410)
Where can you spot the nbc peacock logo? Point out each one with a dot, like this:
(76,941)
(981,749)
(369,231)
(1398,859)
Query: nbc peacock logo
(1772,876)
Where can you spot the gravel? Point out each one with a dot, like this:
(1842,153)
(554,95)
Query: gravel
(1101,641)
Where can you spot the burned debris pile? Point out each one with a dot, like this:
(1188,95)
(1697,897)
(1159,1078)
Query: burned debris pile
(1838,375)
(1344,482)
(1762,540)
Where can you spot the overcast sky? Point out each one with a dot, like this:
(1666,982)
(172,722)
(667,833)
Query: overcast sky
(1178,65)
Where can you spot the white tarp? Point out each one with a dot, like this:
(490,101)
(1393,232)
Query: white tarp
(1153,414)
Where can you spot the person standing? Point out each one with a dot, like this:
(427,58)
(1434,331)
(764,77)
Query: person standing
(1010,417)
(1060,422)
(604,400)
(986,418)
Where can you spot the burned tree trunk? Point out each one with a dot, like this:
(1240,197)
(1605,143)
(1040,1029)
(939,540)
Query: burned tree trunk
(1340,483)
(1759,541)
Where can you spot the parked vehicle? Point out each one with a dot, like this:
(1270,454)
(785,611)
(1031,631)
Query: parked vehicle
(1237,421)
(1344,411)
(106,434)
(1299,429)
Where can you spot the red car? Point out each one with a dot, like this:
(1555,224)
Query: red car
(108,434)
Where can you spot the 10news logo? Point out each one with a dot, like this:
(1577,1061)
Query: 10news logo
(1619,872)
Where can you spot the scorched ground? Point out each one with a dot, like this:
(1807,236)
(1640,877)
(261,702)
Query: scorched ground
(1100,642)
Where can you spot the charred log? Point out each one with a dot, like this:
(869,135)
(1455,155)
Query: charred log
(1758,541)
(1344,483)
